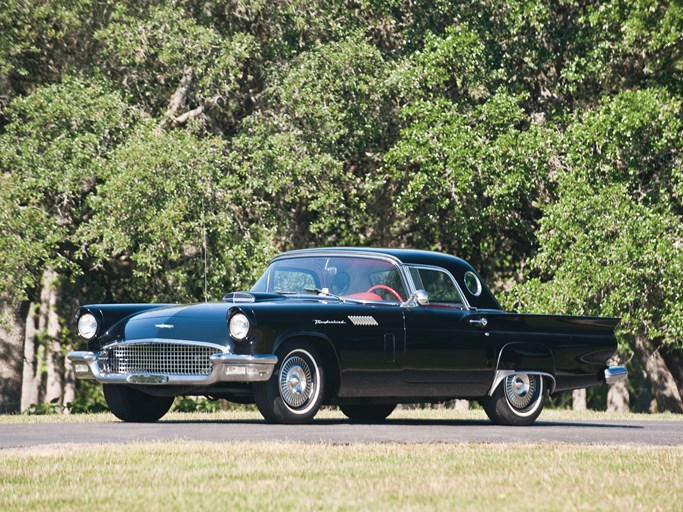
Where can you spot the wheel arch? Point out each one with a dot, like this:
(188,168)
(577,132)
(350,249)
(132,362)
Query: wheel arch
(328,355)
(529,358)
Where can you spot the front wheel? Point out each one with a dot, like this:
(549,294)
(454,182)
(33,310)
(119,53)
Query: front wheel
(129,404)
(294,393)
(517,401)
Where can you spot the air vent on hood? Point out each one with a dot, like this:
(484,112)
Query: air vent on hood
(239,298)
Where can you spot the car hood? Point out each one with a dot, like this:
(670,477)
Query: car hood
(206,322)
(196,322)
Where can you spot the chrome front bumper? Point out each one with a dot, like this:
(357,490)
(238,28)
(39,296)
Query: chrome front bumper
(225,368)
(614,374)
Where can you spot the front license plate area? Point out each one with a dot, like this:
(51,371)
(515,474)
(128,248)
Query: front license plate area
(147,378)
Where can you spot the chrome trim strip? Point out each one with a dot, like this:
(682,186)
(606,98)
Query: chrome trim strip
(614,374)
(501,375)
(328,253)
(176,341)
(226,368)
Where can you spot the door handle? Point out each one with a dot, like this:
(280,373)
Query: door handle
(479,322)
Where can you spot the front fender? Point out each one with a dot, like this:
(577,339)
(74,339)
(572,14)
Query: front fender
(330,357)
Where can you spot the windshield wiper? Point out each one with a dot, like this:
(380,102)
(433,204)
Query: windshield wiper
(317,291)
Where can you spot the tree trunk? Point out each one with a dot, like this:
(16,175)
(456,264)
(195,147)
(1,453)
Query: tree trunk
(11,355)
(664,386)
(46,373)
(674,362)
(54,358)
(30,386)
(618,398)
(461,405)
(579,400)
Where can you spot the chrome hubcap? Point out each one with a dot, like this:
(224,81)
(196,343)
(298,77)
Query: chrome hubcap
(296,382)
(520,389)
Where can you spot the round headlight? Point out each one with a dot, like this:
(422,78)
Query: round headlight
(87,326)
(239,326)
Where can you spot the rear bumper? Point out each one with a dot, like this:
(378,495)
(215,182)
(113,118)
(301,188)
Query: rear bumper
(225,368)
(614,374)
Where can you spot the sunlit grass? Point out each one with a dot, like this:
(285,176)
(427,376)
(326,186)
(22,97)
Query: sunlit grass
(189,475)
(193,475)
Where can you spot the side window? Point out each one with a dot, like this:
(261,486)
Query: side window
(386,283)
(437,284)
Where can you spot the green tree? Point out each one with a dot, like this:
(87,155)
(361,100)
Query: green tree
(42,41)
(171,65)
(53,154)
(611,242)
(309,155)
(167,216)
(468,181)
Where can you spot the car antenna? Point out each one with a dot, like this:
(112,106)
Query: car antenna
(204,250)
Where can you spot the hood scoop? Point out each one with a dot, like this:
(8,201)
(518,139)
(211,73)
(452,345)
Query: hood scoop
(250,297)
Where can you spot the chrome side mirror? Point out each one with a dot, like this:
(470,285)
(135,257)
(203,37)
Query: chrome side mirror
(419,298)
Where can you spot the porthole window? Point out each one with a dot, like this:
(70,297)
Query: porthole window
(472,283)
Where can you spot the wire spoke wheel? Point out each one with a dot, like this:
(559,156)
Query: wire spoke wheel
(295,392)
(520,390)
(296,382)
(518,400)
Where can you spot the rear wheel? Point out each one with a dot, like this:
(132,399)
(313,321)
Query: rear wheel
(367,412)
(129,404)
(518,400)
(294,393)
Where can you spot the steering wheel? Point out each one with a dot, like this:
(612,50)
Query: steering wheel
(387,288)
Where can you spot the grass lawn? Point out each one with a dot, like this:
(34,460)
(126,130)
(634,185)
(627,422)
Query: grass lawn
(190,475)
(184,475)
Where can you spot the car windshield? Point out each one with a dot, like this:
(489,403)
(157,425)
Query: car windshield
(348,277)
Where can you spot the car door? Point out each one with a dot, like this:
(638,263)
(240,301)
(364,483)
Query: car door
(449,349)
(371,349)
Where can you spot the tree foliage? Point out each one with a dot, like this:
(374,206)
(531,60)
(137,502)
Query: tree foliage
(167,216)
(467,182)
(53,154)
(611,241)
(308,156)
(150,52)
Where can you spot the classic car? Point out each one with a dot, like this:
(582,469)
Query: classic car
(362,329)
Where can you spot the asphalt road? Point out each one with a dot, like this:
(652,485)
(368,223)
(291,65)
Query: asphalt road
(662,433)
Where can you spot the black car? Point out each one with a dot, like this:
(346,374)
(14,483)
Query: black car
(364,329)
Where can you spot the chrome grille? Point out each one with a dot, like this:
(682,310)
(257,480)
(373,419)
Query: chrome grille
(164,358)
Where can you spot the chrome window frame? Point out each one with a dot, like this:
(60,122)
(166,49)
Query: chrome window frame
(403,272)
(408,266)
(480,286)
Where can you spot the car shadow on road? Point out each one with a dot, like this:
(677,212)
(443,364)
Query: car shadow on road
(411,423)
(612,424)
